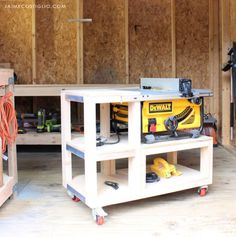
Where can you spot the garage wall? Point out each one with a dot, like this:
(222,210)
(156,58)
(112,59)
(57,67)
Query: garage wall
(106,58)
(16,39)
(150,49)
(56,43)
(192,41)
(104,42)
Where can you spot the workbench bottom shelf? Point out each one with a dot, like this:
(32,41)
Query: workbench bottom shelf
(7,189)
(107,195)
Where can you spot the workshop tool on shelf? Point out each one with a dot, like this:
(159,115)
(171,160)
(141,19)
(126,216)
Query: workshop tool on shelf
(231,65)
(20,122)
(41,121)
(152,177)
(112,184)
(182,110)
(53,123)
(48,122)
(163,169)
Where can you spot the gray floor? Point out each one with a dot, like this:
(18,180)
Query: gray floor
(41,206)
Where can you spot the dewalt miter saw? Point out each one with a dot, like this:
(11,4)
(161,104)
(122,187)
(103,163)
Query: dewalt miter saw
(175,109)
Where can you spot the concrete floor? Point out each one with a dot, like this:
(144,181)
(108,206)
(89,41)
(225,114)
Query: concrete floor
(41,206)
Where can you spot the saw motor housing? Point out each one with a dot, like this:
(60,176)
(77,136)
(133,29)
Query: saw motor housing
(164,115)
(170,115)
(182,107)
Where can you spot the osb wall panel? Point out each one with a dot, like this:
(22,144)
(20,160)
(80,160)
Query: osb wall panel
(15,38)
(104,41)
(149,39)
(56,45)
(192,45)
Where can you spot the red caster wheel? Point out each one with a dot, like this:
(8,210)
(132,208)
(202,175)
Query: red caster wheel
(100,220)
(75,199)
(202,191)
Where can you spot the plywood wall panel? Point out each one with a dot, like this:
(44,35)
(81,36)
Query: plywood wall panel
(192,34)
(149,39)
(56,54)
(104,41)
(16,38)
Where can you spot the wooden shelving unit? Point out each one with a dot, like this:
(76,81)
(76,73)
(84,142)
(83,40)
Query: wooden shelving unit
(33,138)
(89,187)
(7,180)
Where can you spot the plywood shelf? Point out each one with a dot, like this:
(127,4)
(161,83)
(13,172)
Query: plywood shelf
(190,178)
(105,152)
(177,145)
(106,195)
(34,138)
(55,89)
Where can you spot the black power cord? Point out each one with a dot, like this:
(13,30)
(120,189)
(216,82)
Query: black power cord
(101,142)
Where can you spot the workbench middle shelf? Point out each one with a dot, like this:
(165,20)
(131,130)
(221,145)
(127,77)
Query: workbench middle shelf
(106,152)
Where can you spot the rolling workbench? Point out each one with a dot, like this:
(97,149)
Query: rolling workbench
(89,187)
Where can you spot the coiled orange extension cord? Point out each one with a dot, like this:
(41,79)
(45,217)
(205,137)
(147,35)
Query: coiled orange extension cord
(8,121)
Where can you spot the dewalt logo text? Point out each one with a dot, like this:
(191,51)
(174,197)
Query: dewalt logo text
(160,107)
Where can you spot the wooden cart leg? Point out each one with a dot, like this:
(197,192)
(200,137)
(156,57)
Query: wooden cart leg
(172,157)
(107,167)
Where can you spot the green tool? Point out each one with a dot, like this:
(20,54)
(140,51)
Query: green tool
(53,124)
(41,120)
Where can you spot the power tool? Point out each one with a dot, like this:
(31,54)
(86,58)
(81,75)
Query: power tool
(20,122)
(41,120)
(53,124)
(163,169)
(181,110)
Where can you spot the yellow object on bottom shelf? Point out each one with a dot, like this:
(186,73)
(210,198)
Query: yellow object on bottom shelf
(163,169)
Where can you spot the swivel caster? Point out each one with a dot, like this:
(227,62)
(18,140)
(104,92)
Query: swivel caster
(75,199)
(202,191)
(100,220)
(99,215)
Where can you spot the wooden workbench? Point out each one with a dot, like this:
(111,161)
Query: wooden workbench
(90,187)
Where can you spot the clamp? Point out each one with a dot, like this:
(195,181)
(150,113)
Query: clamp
(112,184)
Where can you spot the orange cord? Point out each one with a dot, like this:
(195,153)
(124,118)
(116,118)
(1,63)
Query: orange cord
(8,121)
